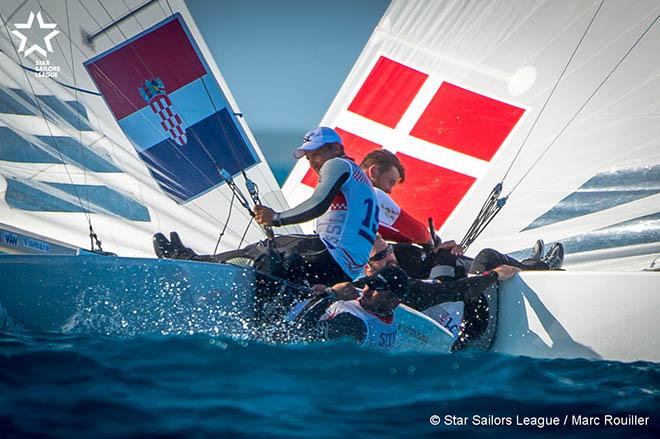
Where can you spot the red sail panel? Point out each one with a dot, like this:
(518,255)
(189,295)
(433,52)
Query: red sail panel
(430,190)
(387,92)
(466,121)
(165,53)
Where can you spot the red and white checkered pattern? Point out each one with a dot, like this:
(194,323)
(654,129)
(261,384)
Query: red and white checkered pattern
(339,202)
(169,120)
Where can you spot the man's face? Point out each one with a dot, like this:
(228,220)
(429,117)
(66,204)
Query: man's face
(379,301)
(381,256)
(384,180)
(319,156)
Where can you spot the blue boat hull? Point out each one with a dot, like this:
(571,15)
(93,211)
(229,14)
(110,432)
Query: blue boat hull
(108,293)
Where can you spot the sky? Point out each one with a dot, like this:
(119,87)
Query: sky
(285,60)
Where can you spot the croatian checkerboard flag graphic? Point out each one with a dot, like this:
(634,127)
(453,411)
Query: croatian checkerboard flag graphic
(445,135)
(155,95)
(160,89)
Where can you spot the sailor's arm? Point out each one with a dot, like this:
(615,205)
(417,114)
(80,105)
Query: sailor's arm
(425,294)
(333,174)
(395,224)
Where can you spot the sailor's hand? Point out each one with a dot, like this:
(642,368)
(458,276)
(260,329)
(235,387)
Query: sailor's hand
(505,272)
(317,290)
(453,248)
(263,215)
(346,291)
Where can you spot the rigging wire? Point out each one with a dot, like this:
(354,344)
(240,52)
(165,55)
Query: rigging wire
(552,91)
(577,113)
(223,173)
(87,214)
(494,204)
(245,233)
(92,235)
(210,216)
(222,233)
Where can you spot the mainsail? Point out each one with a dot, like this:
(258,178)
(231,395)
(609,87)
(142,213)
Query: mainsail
(558,100)
(114,118)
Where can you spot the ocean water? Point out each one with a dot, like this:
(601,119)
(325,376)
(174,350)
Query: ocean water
(90,385)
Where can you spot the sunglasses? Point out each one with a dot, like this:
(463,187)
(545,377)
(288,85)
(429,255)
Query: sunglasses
(382,254)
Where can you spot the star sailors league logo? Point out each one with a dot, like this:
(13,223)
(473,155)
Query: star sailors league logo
(153,92)
(43,67)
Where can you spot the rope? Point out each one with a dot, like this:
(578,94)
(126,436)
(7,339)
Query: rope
(222,233)
(221,171)
(488,211)
(43,116)
(494,204)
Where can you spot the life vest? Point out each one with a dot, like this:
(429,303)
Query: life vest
(381,334)
(348,228)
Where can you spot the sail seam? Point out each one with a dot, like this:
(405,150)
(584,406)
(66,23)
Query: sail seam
(38,102)
(193,133)
(577,113)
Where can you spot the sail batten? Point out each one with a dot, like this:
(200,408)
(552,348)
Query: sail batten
(62,141)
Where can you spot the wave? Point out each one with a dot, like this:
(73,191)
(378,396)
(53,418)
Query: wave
(202,385)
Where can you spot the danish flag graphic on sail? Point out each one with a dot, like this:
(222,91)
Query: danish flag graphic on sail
(444,135)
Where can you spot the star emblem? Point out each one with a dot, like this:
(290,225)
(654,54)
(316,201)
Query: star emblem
(35,47)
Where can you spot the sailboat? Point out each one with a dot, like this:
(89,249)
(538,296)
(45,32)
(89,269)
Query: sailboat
(524,120)
(123,126)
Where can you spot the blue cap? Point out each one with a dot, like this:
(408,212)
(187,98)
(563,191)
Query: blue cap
(315,139)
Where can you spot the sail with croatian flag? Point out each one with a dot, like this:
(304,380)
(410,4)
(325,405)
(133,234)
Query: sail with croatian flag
(558,101)
(128,134)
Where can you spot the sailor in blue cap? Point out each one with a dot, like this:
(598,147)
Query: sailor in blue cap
(343,205)
(346,213)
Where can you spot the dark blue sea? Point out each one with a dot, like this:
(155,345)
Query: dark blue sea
(83,385)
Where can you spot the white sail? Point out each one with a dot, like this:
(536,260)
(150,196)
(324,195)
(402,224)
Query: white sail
(457,89)
(65,160)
